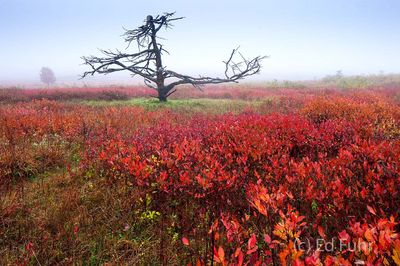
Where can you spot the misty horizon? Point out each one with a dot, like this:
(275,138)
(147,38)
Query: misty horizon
(305,41)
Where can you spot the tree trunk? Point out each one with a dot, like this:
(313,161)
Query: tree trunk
(162,94)
(162,90)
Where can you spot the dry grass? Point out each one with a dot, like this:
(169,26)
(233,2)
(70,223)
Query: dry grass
(75,219)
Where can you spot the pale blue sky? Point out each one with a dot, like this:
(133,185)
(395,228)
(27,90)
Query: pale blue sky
(305,39)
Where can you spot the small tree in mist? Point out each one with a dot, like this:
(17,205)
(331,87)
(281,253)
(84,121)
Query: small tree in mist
(147,61)
(47,76)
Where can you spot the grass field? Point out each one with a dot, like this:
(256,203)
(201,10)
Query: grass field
(200,181)
(215,106)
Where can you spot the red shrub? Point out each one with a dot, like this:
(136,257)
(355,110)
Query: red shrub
(283,166)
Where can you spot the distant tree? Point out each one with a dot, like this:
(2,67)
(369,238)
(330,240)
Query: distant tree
(334,78)
(47,76)
(147,62)
(339,74)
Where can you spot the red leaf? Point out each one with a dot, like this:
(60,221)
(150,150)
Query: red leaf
(221,253)
(369,235)
(252,242)
(344,236)
(240,259)
(237,252)
(371,210)
(321,231)
(267,239)
(252,250)
(219,256)
(185,241)
(76,229)
(198,262)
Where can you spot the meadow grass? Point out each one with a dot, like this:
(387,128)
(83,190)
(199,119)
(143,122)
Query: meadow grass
(215,106)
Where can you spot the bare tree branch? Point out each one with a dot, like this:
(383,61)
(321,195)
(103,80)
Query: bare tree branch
(251,67)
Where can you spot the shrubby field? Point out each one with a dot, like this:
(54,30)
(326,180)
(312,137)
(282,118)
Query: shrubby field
(247,176)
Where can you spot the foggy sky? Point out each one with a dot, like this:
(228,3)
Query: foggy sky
(305,39)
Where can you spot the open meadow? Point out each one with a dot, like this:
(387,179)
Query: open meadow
(228,176)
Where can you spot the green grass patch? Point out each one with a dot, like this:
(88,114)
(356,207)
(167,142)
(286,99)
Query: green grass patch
(189,105)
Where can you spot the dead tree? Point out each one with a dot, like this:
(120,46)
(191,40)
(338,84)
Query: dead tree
(147,62)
